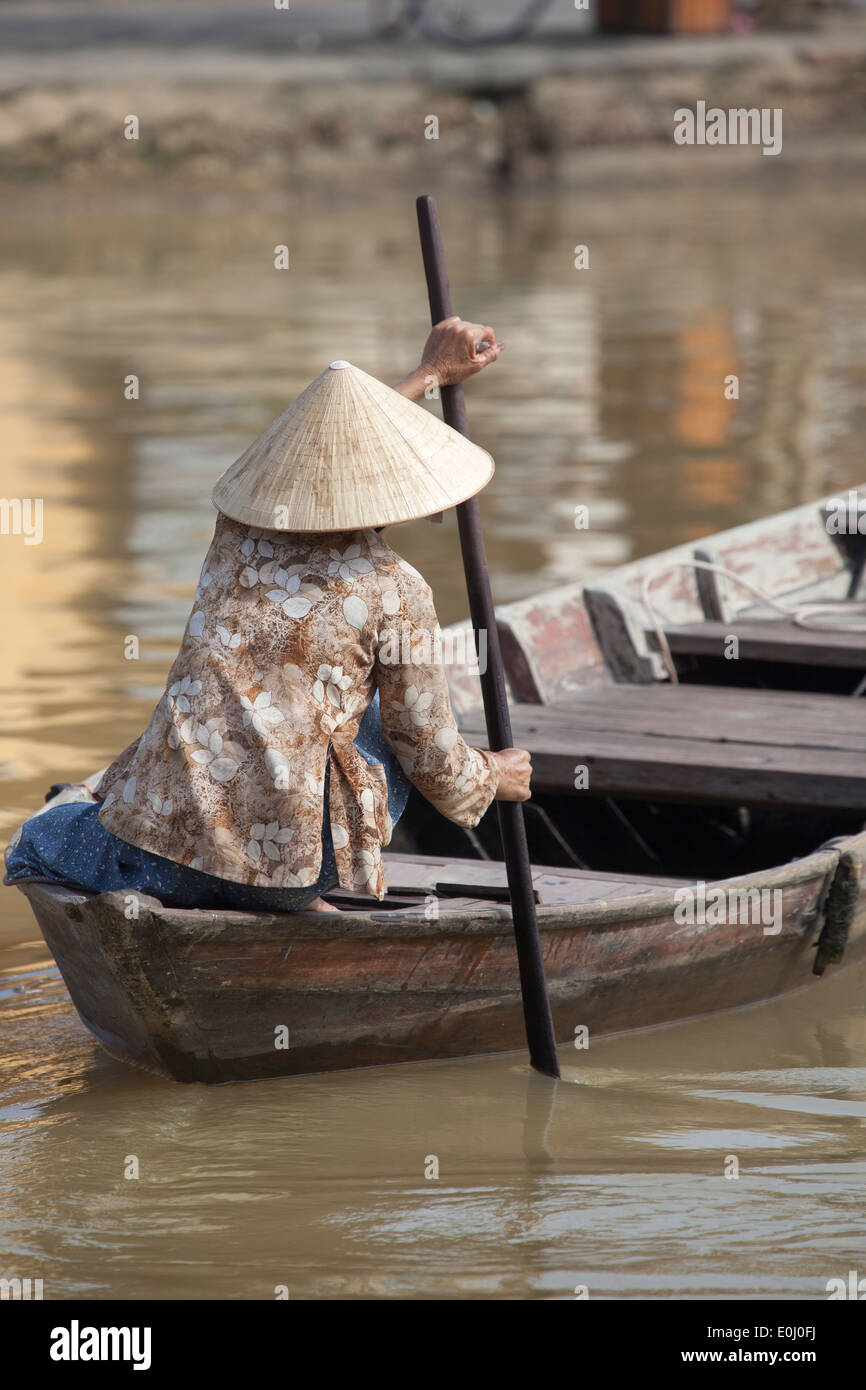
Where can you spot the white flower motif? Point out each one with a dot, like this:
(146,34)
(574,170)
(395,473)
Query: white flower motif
(390,601)
(129,789)
(339,835)
(160,806)
(350,563)
(355,611)
(248,577)
(182,693)
(257,542)
(445,739)
(195,627)
(186,732)
(260,713)
(330,681)
(268,573)
(293,603)
(266,839)
(409,569)
(205,581)
(221,769)
(365,870)
(416,705)
(228,639)
(197,863)
(295,881)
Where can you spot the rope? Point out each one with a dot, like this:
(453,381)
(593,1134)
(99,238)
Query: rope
(810,615)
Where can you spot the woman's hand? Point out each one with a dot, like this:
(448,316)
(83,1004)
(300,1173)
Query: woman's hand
(454,350)
(515,769)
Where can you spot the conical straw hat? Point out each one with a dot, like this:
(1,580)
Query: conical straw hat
(347,454)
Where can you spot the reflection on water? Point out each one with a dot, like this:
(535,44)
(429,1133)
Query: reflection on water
(610,394)
(613,1179)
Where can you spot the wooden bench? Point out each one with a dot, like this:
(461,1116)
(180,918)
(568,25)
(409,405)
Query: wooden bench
(697,744)
(483,880)
(770,639)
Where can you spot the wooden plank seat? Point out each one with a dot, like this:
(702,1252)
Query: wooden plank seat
(480,884)
(769,639)
(697,744)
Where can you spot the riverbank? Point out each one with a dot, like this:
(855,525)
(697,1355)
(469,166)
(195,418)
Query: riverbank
(220,111)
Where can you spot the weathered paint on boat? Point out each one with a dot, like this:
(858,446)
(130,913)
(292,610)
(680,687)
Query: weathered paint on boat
(577,636)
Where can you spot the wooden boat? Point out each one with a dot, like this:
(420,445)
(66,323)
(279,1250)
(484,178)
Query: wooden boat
(741,779)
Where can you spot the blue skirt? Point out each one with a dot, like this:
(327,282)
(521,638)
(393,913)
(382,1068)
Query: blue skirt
(67,844)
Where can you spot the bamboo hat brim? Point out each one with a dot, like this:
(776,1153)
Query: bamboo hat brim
(350,453)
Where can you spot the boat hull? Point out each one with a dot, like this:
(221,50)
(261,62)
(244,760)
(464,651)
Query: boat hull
(219,997)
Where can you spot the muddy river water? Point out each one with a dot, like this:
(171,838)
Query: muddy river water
(610,396)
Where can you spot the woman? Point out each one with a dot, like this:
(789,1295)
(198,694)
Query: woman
(306,694)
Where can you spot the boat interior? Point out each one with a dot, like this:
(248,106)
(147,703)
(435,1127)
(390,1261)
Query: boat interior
(714,759)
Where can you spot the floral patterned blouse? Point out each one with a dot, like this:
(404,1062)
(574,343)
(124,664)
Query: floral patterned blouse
(289,636)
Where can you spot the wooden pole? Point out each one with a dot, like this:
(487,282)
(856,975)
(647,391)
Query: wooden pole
(536,1005)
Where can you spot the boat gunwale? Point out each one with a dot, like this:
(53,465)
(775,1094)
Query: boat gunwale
(618,578)
(196,924)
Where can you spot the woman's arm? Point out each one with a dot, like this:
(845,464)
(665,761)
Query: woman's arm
(419,723)
(454,351)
